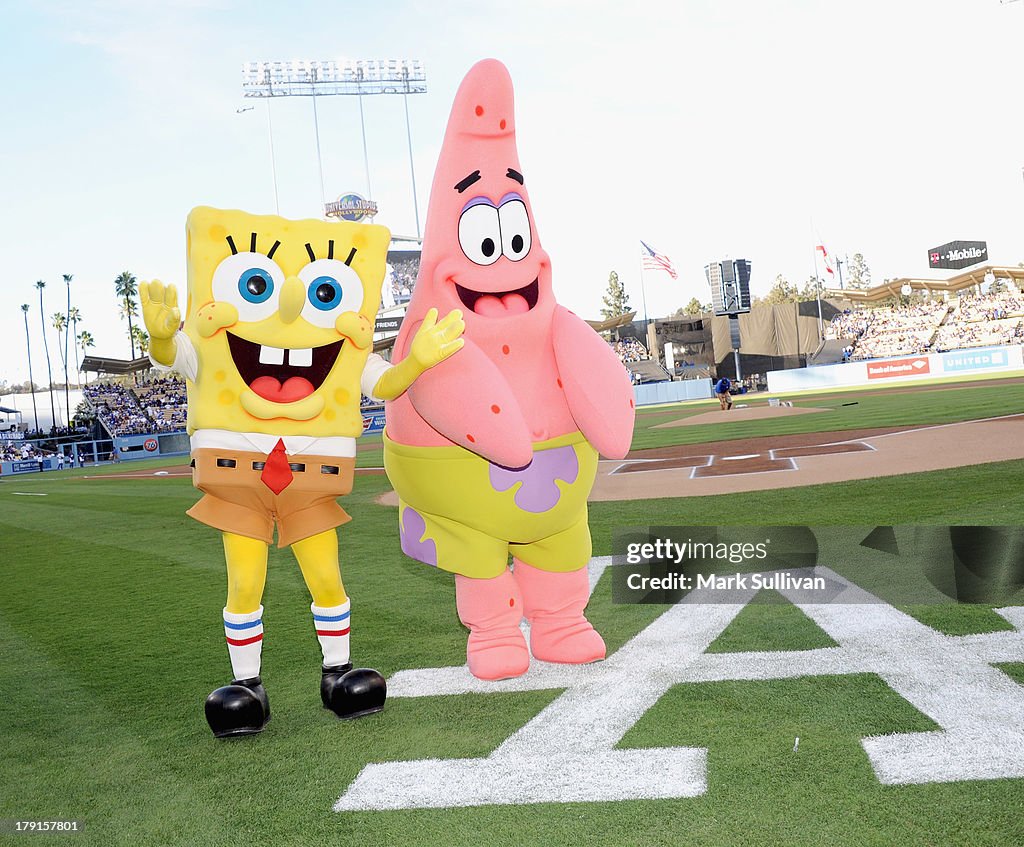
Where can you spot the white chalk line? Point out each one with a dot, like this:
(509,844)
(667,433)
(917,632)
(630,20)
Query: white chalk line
(567,753)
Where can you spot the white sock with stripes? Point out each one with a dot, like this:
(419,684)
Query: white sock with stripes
(244,635)
(332,625)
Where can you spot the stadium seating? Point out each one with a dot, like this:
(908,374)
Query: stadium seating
(969,321)
(158,406)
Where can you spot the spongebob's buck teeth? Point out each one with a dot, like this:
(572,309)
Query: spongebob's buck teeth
(271,355)
(300,358)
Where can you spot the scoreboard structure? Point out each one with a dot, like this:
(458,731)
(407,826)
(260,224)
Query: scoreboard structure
(730,286)
(730,297)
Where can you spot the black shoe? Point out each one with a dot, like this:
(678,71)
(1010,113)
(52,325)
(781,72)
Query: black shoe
(352,693)
(241,708)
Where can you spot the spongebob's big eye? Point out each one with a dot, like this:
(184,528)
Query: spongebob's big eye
(324,293)
(251,282)
(479,233)
(255,285)
(515,228)
(332,287)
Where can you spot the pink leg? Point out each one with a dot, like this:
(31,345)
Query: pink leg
(492,609)
(553,604)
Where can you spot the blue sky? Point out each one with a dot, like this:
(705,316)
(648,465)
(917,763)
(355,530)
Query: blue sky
(710,128)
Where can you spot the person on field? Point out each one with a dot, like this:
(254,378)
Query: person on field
(722,388)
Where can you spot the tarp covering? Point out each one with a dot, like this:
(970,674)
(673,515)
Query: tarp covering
(784,330)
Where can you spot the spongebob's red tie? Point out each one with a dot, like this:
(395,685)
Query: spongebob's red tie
(277,476)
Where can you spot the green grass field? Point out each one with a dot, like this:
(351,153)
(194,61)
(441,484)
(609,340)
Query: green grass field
(110,638)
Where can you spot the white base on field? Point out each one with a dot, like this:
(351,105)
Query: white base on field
(567,752)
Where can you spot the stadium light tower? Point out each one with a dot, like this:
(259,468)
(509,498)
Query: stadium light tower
(305,78)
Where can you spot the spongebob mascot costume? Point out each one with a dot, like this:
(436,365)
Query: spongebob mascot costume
(275,349)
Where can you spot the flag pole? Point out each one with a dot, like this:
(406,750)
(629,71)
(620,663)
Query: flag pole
(647,321)
(817,291)
(643,291)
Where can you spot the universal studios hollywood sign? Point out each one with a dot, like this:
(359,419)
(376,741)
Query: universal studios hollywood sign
(958,254)
(350,207)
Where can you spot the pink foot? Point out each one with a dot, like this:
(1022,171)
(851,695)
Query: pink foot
(573,642)
(553,604)
(492,609)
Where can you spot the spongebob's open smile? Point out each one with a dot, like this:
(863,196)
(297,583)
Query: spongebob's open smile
(282,375)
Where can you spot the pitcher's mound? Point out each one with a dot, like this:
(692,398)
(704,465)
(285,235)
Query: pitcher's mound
(747,413)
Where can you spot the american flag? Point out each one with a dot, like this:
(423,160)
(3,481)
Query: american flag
(654,261)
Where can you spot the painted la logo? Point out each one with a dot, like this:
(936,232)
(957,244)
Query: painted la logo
(567,752)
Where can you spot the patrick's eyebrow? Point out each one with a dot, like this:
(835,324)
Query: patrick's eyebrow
(464,183)
(511,173)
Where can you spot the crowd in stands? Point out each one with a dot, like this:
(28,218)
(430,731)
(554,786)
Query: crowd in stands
(969,321)
(629,350)
(403,277)
(157,406)
(165,402)
(118,409)
(990,307)
(21,452)
(75,432)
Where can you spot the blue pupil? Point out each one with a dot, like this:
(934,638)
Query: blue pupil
(255,285)
(325,293)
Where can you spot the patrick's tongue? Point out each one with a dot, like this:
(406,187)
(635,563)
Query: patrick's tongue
(294,388)
(493,307)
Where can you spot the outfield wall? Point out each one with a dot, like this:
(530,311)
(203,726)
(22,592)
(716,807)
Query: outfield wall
(977,361)
(671,392)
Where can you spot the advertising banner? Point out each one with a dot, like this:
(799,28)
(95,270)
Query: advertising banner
(373,421)
(898,367)
(958,254)
(978,360)
(391,323)
(970,360)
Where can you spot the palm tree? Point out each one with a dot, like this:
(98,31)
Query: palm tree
(28,348)
(40,285)
(125,286)
(60,323)
(74,316)
(67,283)
(142,340)
(85,341)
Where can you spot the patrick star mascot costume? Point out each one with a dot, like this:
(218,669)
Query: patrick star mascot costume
(494,451)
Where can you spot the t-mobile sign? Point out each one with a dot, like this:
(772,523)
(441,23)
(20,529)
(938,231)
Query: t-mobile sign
(958,254)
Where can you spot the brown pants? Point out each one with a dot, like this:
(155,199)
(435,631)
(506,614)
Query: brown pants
(236,500)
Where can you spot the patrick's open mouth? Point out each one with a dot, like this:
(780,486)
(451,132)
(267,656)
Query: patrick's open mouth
(499,304)
(282,375)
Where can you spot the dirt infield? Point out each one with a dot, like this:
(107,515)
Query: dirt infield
(772,462)
(739,413)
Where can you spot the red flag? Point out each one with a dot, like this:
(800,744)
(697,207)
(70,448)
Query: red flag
(825,258)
